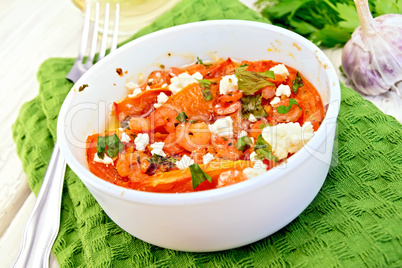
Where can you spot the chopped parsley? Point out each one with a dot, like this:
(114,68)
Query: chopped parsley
(263,125)
(298,82)
(250,81)
(284,109)
(181,117)
(263,149)
(163,163)
(205,84)
(198,175)
(252,105)
(199,61)
(109,144)
(243,143)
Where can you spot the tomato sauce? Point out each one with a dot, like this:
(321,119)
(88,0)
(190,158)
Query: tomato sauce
(204,126)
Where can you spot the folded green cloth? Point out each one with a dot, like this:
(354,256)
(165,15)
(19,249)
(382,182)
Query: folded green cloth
(354,221)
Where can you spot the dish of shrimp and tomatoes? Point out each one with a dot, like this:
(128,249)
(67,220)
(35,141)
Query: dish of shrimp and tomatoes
(205,126)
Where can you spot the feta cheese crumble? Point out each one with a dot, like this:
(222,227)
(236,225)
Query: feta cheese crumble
(157,148)
(184,162)
(106,159)
(131,85)
(283,90)
(136,92)
(162,98)
(276,100)
(280,69)
(125,138)
(141,141)
(252,118)
(207,158)
(222,127)
(242,134)
(287,138)
(182,80)
(252,157)
(258,169)
(228,84)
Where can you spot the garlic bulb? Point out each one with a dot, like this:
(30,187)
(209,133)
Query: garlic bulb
(372,58)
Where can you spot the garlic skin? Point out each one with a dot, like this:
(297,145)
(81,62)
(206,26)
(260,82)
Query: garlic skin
(372,58)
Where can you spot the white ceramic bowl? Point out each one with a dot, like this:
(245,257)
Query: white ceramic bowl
(217,219)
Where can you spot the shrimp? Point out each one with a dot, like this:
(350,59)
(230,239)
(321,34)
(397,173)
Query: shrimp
(291,116)
(224,109)
(140,124)
(165,116)
(192,136)
(171,146)
(225,148)
(133,164)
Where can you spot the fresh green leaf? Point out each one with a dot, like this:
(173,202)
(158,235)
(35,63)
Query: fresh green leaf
(181,117)
(298,82)
(199,61)
(284,109)
(243,143)
(111,145)
(252,105)
(263,125)
(114,146)
(206,92)
(198,175)
(263,149)
(250,82)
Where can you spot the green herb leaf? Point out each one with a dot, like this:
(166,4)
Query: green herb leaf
(250,82)
(163,163)
(181,117)
(243,143)
(114,146)
(198,175)
(109,144)
(263,125)
(252,105)
(206,92)
(298,82)
(199,61)
(263,149)
(284,109)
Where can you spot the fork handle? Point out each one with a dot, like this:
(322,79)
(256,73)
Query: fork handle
(44,221)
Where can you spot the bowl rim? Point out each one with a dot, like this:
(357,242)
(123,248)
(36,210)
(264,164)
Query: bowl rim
(172,199)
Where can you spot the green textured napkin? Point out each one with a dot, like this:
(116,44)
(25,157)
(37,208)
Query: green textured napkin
(356,219)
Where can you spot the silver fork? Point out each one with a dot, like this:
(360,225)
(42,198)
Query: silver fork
(44,221)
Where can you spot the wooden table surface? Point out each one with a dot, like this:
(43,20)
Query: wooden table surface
(30,33)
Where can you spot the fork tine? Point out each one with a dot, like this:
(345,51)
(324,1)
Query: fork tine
(85,31)
(92,51)
(102,51)
(115,29)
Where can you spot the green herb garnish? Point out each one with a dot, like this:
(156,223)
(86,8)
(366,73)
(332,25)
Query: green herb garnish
(263,125)
(252,105)
(161,162)
(243,143)
(109,144)
(205,84)
(250,81)
(198,175)
(263,149)
(199,61)
(298,82)
(284,109)
(181,117)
